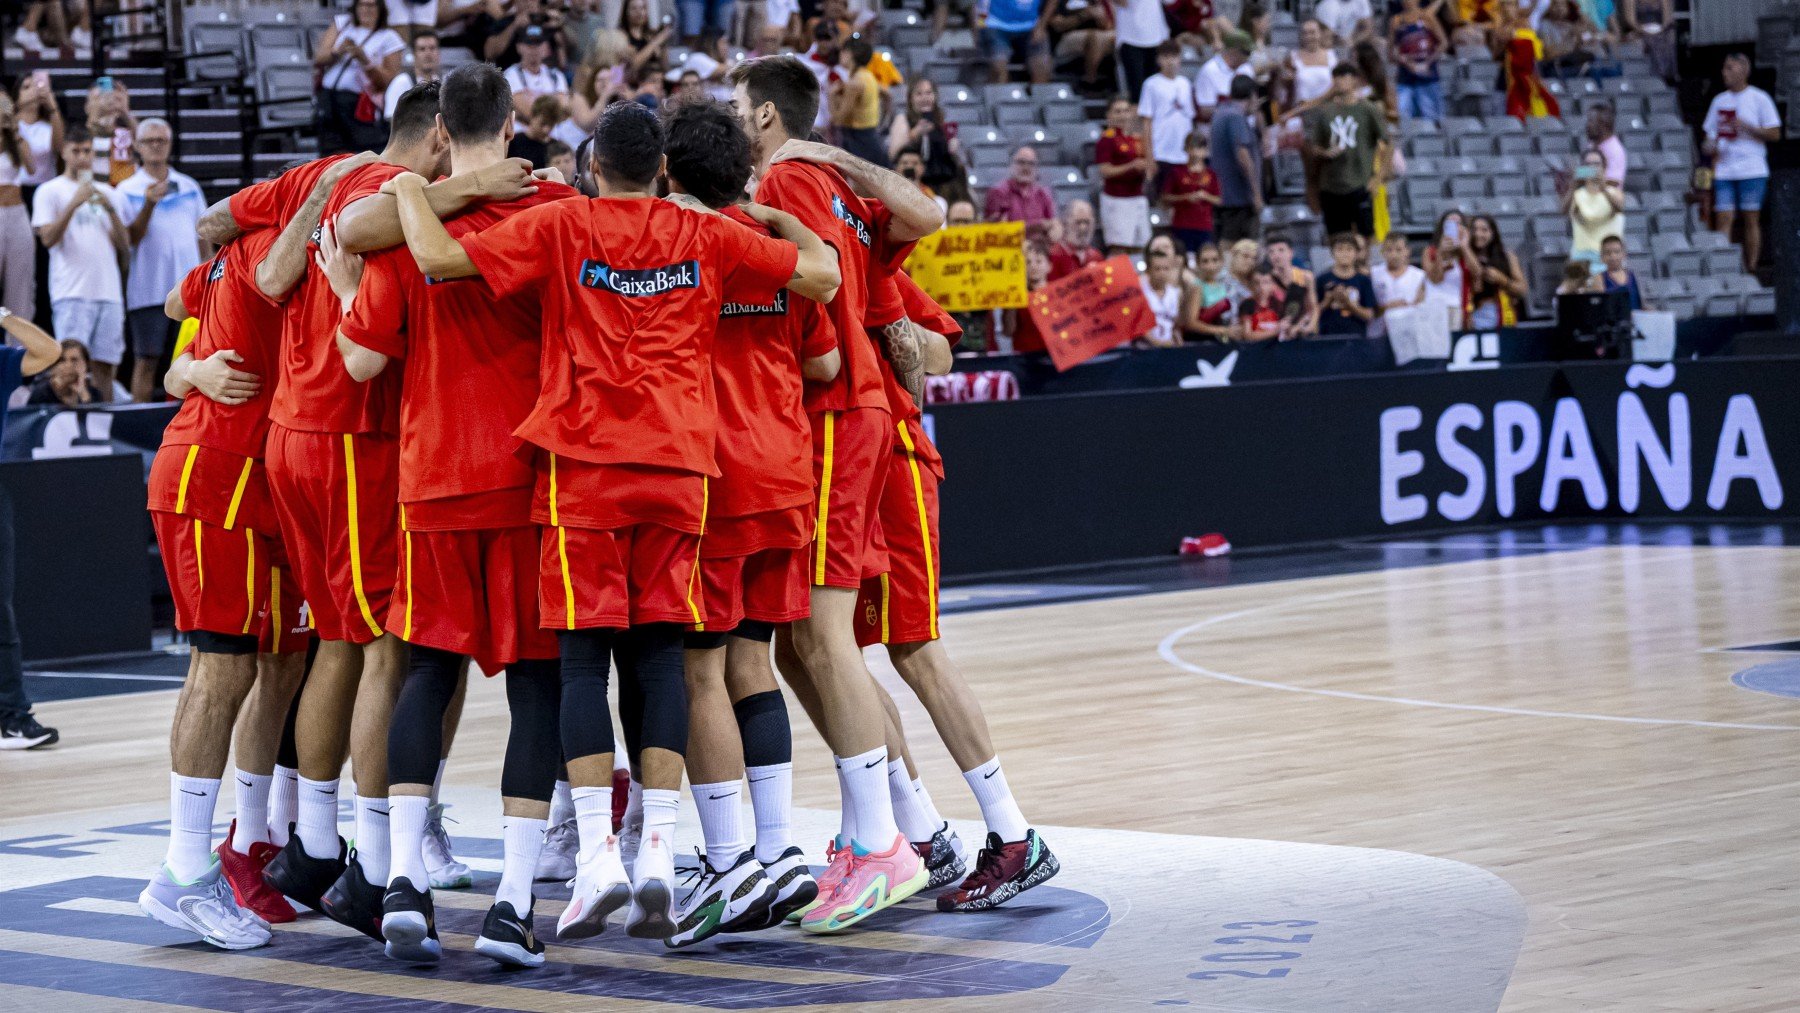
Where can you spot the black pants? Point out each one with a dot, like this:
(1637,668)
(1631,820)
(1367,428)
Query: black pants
(1136,64)
(866,144)
(13,701)
(1348,212)
(1233,224)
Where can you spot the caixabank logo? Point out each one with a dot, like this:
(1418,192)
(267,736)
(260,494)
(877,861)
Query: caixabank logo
(642,281)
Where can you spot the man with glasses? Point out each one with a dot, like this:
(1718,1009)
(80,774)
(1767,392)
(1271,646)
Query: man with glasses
(1021,198)
(162,212)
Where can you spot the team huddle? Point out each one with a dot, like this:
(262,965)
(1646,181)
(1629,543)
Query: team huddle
(437,409)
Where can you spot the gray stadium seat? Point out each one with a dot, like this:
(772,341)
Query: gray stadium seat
(1012,115)
(212,37)
(1759,303)
(1723,263)
(1063,112)
(281,83)
(1055,93)
(1006,94)
(988,154)
(1727,304)
(1674,255)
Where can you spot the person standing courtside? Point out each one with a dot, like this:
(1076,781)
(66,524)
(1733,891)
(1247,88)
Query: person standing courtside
(36,352)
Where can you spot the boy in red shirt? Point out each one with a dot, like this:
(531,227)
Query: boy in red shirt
(631,289)
(1193,191)
(1125,164)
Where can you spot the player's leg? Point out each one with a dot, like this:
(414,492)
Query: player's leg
(650,659)
(601,885)
(926,830)
(261,726)
(408,923)
(284,794)
(768,743)
(441,863)
(533,697)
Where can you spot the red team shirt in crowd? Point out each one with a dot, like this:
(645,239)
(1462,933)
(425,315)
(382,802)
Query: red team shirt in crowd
(1116,147)
(471,377)
(1196,214)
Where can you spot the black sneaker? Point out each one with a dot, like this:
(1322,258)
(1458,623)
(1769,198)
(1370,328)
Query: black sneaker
(302,877)
(354,901)
(23,732)
(941,860)
(409,924)
(508,938)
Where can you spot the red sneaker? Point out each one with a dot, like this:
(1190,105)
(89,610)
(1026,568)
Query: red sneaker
(245,874)
(1002,872)
(621,796)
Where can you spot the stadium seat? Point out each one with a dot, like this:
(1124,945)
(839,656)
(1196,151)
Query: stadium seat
(1724,304)
(1723,263)
(1761,303)
(1674,255)
(1063,112)
(213,37)
(285,84)
(1006,94)
(988,154)
(1013,115)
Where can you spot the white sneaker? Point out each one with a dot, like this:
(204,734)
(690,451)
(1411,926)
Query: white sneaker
(795,887)
(600,888)
(80,39)
(652,914)
(440,864)
(630,836)
(736,900)
(204,907)
(557,861)
(29,41)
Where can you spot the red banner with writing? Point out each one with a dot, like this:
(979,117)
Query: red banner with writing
(1098,307)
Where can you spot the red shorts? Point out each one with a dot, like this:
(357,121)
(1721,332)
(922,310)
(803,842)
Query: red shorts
(218,578)
(287,627)
(901,605)
(849,451)
(592,579)
(472,593)
(337,497)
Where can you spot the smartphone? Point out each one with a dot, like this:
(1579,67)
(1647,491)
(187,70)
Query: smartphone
(950,131)
(42,77)
(1453,231)
(104,82)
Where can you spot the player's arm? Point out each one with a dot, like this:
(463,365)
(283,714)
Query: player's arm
(345,272)
(934,349)
(816,273)
(437,253)
(915,215)
(373,222)
(217,226)
(285,263)
(822,368)
(41,350)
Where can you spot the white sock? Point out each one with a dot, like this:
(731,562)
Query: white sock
(661,807)
(562,808)
(593,816)
(437,783)
(318,824)
(914,821)
(524,842)
(252,825)
(634,804)
(865,779)
(931,809)
(771,794)
(621,762)
(284,804)
(998,809)
(406,840)
(721,821)
(191,801)
(372,838)
(846,811)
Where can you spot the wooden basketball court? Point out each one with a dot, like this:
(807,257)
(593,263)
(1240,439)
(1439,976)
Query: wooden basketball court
(1552,713)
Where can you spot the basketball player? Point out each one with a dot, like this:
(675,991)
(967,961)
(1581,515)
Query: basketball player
(872,866)
(469,556)
(631,288)
(753,560)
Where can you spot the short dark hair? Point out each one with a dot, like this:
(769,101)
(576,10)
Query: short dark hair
(628,144)
(415,114)
(860,51)
(1345,70)
(1169,48)
(556,149)
(1344,239)
(423,33)
(1242,87)
(77,133)
(709,154)
(1277,237)
(786,82)
(475,102)
(1612,239)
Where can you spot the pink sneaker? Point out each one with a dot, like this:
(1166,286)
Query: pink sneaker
(872,882)
(837,865)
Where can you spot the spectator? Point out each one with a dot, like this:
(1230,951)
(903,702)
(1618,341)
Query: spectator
(1310,66)
(1739,125)
(357,57)
(1269,313)
(18,253)
(1237,161)
(409,18)
(501,46)
(1124,166)
(1214,298)
(834,16)
(1653,21)
(1217,76)
(1519,49)
(112,126)
(532,78)
(1418,43)
(709,18)
(1140,28)
(1167,106)
(856,104)
(1577,277)
(1617,275)
(1377,81)
(1296,282)
(533,144)
(1347,136)
(1595,206)
(921,125)
(41,128)
(583,25)
(427,66)
(1021,329)
(912,167)
(1604,138)
(1081,29)
(78,219)
(1348,20)
(1193,191)
(1240,265)
(1165,291)
(18,730)
(1567,38)
(1257,23)
(1346,295)
(961,212)
(68,383)
(1021,198)
(1397,282)
(644,41)
(1443,266)
(822,60)
(561,158)
(1017,30)
(162,209)
(1074,247)
(1496,285)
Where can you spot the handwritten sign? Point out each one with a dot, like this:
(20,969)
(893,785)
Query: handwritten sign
(972,267)
(1098,307)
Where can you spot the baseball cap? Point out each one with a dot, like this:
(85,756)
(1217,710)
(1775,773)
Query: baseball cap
(1240,41)
(533,35)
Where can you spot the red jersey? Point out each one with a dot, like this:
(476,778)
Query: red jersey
(631,290)
(765,441)
(1116,147)
(824,203)
(275,202)
(1065,260)
(1198,214)
(233,314)
(923,310)
(471,377)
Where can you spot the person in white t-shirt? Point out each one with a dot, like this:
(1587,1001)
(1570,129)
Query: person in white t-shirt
(1139,26)
(80,221)
(1343,17)
(1397,282)
(356,58)
(531,77)
(1739,126)
(410,17)
(427,66)
(1167,106)
(162,210)
(1212,84)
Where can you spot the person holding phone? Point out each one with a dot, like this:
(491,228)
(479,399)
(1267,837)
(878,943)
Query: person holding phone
(356,58)
(1739,125)
(1595,206)
(80,220)
(111,124)
(1442,263)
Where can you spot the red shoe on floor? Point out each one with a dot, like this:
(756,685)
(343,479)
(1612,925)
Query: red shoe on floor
(245,874)
(621,796)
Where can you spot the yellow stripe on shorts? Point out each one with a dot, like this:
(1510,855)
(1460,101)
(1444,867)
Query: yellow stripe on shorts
(187,471)
(356,575)
(249,579)
(819,529)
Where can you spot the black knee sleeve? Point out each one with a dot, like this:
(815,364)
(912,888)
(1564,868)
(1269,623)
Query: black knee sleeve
(631,714)
(586,660)
(533,754)
(289,754)
(208,642)
(753,629)
(763,724)
(702,641)
(416,733)
(650,658)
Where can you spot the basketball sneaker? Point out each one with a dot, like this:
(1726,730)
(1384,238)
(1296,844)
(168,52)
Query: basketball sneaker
(735,900)
(795,888)
(204,907)
(872,882)
(440,862)
(556,863)
(600,887)
(409,924)
(631,834)
(24,732)
(942,858)
(245,874)
(621,797)
(354,901)
(294,873)
(652,914)
(837,863)
(1002,872)
(506,937)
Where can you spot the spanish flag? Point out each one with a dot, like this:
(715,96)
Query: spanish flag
(1526,96)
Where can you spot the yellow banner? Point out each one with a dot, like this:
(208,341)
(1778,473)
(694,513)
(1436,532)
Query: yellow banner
(972,267)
